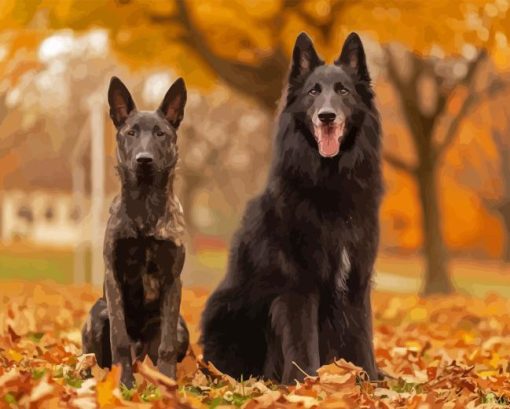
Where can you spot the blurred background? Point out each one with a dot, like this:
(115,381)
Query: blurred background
(441,72)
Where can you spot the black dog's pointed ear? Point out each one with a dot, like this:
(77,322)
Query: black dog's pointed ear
(120,100)
(353,55)
(172,107)
(304,58)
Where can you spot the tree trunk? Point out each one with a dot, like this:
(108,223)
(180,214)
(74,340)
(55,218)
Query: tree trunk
(437,279)
(504,213)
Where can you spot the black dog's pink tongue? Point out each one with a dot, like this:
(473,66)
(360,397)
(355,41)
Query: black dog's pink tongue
(328,138)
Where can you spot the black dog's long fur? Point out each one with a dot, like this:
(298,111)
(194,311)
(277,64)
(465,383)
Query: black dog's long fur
(298,282)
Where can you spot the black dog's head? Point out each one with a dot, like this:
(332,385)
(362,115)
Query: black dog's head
(146,141)
(329,99)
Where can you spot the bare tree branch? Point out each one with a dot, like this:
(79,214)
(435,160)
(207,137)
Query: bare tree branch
(478,171)
(469,103)
(406,92)
(399,163)
(325,26)
(241,76)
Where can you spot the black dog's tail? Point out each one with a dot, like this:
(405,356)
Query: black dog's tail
(233,336)
(182,339)
(95,334)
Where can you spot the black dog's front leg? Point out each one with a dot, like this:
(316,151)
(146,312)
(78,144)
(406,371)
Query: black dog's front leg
(294,321)
(347,332)
(119,339)
(358,346)
(168,348)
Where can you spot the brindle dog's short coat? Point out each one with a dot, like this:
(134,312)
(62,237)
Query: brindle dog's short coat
(138,314)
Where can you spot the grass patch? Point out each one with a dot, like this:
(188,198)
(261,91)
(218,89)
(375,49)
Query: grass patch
(493,399)
(73,381)
(36,264)
(38,373)
(10,399)
(127,394)
(407,387)
(151,393)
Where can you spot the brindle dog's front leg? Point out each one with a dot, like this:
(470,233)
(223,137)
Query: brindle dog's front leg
(119,339)
(167,352)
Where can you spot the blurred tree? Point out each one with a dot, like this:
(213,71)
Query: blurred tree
(220,150)
(423,123)
(501,205)
(486,169)
(243,42)
(426,92)
(17,60)
(265,66)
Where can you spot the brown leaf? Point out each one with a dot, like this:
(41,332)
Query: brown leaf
(152,374)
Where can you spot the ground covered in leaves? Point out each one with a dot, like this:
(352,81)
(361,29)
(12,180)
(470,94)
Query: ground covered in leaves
(442,352)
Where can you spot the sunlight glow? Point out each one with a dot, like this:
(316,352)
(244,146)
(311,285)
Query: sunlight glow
(156,86)
(56,46)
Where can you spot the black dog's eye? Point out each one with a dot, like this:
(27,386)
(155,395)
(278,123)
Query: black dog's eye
(341,89)
(316,90)
(131,132)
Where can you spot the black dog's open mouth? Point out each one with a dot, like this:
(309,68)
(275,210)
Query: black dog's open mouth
(329,137)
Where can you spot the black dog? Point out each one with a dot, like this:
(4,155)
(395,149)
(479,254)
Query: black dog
(297,291)
(143,250)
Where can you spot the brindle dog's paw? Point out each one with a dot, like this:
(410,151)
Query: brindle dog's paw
(167,368)
(127,378)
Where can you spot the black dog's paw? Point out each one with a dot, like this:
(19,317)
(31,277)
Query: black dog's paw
(381,376)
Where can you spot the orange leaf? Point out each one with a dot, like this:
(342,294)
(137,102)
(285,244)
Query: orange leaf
(105,389)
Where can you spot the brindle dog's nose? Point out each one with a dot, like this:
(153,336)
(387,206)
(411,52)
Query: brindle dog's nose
(327,117)
(144,158)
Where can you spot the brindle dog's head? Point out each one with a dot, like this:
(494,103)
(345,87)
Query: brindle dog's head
(146,140)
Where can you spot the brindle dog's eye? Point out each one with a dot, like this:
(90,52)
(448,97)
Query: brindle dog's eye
(159,133)
(131,132)
(316,90)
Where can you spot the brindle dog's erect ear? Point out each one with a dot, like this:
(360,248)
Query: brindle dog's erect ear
(120,100)
(172,107)
(353,55)
(304,58)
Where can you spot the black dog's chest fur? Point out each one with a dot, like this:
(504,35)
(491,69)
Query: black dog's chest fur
(317,234)
(327,238)
(315,238)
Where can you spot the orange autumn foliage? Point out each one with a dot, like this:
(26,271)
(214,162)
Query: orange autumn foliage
(146,34)
(443,351)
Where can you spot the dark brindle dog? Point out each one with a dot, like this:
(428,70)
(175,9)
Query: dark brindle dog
(138,314)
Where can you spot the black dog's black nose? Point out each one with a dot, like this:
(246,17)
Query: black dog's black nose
(327,117)
(144,158)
